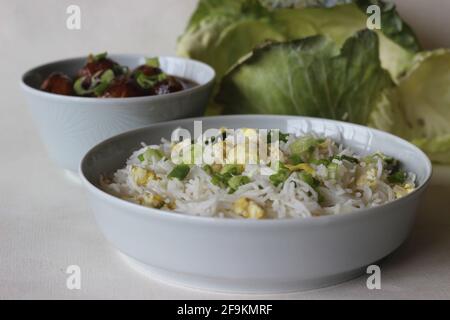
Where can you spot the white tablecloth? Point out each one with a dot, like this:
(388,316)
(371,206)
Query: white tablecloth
(45,223)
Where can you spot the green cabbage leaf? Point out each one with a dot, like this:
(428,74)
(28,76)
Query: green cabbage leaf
(421,107)
(221,31)
(312,77)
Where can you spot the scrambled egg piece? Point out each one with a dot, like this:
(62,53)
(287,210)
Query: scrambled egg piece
(148,200)
(367,178)
(151,200)
(403,191)
(142,176)
(409,187)
(169,205)
(248,208)
(302,166)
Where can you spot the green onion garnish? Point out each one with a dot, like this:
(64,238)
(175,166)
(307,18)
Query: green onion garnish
(233,169)
(78,87)
(295,159)
(284,136)
(100,56)
(152,62)
(235,182)
(97,87)
(281,175)
(105,79)
(398,177)
(147,82)
(303,145)
(332,170)
(179,172)
(151,154)
(347,158)
(281,136)
(219,180)
(309,179)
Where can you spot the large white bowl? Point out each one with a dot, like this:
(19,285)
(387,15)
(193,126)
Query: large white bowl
(70,126)
(246,255)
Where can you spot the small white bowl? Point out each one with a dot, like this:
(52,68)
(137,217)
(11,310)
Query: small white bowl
(70,126)
(248,255)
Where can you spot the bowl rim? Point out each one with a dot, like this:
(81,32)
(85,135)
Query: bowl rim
(81,100)
(312,220)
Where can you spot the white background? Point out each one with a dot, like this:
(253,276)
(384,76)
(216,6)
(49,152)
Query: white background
(45,224)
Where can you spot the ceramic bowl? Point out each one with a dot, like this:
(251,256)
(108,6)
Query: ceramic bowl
(70,126)
(254,255)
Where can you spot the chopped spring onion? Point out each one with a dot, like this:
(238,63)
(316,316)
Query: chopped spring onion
(78,87)
(281,136)
(281,175)
(152,62)
(347,158)
(147,82)
(219,180)
(295,159)
(303,145)
(398,177)
(208,169)
(100,56)
(309,179)
(179,172)
(235,182)
(118,70)
(105,80)
(151,154)
(284,137)
(97,86)
(332,170)
(234,169)
(227,173)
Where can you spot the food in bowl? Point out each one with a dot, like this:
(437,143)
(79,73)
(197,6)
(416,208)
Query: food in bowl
(313,176)
(249,255)
(102,77)
(70,125)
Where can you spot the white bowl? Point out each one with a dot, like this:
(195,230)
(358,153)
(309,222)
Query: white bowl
(247,255)
(70,126)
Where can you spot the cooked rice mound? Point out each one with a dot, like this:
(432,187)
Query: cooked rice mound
(315,176)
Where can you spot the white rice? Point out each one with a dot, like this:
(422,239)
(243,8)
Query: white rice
(197,195)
